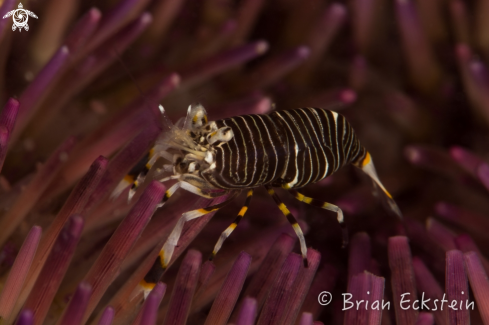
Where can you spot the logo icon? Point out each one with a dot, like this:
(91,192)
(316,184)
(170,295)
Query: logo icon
(20,17)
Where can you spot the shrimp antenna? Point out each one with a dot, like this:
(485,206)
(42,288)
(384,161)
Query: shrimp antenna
(166,121)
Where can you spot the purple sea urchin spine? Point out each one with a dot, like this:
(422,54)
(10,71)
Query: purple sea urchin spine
(164,12)
(402,279)
(56,18)
(105,268)
(206,273)
(425,318)
(440,234)
(148,313)
(228,295)
(365,19)
(56,264)
(183,290)
(7,123)
(457,288)
(369,289)
(255,103)
(201,71)
(25,318)
(107,316)
(9,114)
(483,174)
(18,273)
(247,313)
(32,97)
(3,144)
(33,191)
(460,22)
(468,160)
(431,158)
(419,237)
(73,314)
(274,69)
(426,283)
(300,287)
(466,244)
(359,255)
(325,280)
(481,34)
(333,99)
(6,6)
(83,30)
(75,204)
(112,23)
(260,285)
(424,70)
(479,284)
(306,319)
(320,37)
(473,222)
(257,246)
(276,303)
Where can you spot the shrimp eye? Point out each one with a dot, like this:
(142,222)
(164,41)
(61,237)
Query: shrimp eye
(183,165)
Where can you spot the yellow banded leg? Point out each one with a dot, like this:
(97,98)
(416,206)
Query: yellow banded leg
(327,206)
(367,166)
(225,234)
(128,180)
(207,193)
(161,263)
(139,180)
(138,173)
(169,192)
(292,221)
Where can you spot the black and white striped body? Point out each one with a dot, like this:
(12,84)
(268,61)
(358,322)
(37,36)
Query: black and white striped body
(289,148)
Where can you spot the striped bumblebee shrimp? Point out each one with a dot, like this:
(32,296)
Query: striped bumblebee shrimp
(287,149)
